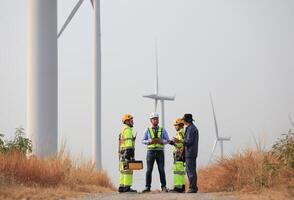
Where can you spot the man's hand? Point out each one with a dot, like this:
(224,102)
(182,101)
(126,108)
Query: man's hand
(155,141)
(171,142)
(177,140)
(134,137)
(158,141)
(151,142)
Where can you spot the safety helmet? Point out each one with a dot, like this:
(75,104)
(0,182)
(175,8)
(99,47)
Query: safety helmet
(179,121)
(126,117)
(153,115)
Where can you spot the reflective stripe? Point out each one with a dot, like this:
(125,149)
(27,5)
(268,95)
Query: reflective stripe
(128,139)
(155,148)
(126,172)
(125,148)
(152,134)
(179,172)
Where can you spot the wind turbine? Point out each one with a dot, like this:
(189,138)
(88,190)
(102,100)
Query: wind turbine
(219,139)
(291,121)
(42,92)
(97,77)
(156,96)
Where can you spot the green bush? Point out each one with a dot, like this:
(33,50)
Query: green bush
(2,144)
(20,143)
(284,148)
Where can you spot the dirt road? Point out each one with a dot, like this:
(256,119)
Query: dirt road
(156,196)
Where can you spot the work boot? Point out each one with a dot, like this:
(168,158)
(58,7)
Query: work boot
(132,190)
(122,189)
(192,191)
(183,188)
(129,189)
(147,189)
(164,189)
(176,190)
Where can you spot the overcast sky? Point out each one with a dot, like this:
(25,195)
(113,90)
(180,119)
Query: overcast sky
(242,51)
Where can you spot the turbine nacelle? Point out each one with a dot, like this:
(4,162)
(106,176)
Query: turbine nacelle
(160,97)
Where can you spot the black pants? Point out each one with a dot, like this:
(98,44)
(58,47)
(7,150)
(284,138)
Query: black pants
(158,156)
(191,173)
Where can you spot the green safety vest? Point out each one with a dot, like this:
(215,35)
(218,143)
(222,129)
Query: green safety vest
(126,138)
(152,136)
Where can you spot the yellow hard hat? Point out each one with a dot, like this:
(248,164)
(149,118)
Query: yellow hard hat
(126,117)
(179,121)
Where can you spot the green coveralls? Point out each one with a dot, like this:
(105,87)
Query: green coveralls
(179,164)
(126,142)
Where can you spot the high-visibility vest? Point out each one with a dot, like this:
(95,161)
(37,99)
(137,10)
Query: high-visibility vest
(180,135)
(152,136)
(126,138)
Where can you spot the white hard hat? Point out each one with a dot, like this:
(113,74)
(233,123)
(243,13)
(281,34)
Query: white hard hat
(153,115)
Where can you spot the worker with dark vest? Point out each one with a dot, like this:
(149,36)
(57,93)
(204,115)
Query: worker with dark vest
(126,153)
(179,157)
(155,138)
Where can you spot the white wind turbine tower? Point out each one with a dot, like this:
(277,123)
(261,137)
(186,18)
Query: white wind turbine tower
(97,78)
(156,96)
(218,138)
(291,121)
(42,113)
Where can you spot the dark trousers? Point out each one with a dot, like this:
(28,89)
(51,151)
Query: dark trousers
(158,156)
(191,173)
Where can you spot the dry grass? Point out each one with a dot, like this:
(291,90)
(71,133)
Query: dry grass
(50,178)
(249,171)
(266,194)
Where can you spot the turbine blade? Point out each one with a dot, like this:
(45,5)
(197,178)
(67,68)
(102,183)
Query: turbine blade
(255,141)
(69,18)
(214,116)
(213,149)
(162,114)
(291,121)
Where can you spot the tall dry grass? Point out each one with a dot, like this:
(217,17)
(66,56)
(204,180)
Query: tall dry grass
(16,169)
(250,170)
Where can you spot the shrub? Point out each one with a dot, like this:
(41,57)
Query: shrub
(284,149)
(252,170)
(20,143)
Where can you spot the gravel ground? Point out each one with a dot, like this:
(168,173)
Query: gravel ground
(156,195)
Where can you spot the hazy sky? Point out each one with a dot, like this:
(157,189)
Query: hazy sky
(240,51)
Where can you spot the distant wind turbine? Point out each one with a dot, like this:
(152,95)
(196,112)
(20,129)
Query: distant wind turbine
(96,76)
(218,138)
(156,96)
(291,121)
